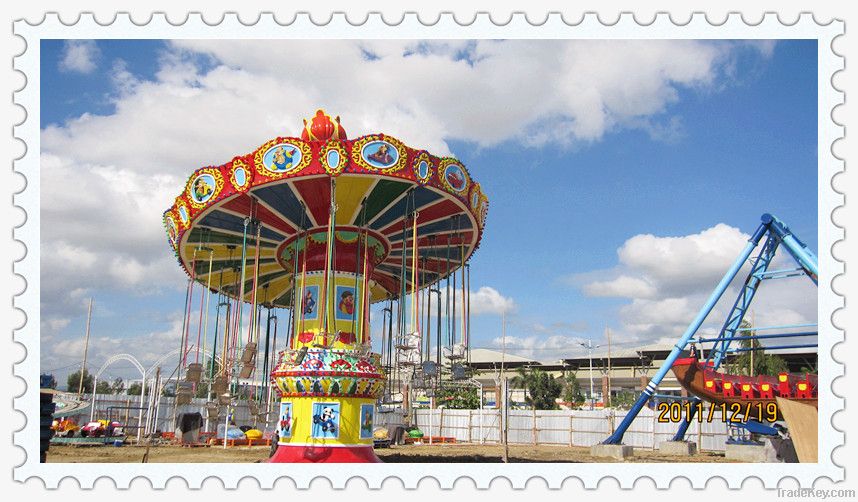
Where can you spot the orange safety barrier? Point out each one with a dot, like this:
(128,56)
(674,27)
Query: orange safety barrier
(432,439)
(241,442)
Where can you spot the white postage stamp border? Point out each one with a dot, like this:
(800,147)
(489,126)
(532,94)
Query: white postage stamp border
(446,26)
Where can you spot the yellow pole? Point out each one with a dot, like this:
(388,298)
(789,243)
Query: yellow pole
(414,274)
(208,302)
(299,326)
(462,258)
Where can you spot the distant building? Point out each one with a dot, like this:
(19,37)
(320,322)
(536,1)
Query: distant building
(626,371)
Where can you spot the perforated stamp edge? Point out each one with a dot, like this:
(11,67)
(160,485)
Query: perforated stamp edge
(410,26)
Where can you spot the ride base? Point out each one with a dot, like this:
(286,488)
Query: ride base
(325,454)
(616,451)
(677,448)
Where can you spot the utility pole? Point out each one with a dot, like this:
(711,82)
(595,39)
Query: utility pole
(607,398)
(504,382)
(751,333)
(589,346)
(85,349)
(505,415)
(503,340)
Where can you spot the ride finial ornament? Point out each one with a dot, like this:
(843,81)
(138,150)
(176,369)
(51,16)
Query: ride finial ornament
(322,128)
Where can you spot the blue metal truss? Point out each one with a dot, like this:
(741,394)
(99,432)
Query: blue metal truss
(777,234)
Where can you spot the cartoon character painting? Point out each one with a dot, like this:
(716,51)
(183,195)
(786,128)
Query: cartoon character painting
(326,420)
(347,303)
(367,417)
(283,158)
(309,302)
(285,423)
(455,177)
(202,189)
(381,155)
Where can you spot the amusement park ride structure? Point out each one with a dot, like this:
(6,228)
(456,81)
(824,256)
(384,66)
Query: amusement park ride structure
(702,378)
(325,226)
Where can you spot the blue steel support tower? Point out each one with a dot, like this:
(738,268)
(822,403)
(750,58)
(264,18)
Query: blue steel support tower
(778,233)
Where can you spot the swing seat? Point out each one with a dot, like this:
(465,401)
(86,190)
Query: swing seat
(324,340)
(458,372)
(183,397)
(194,372)
(223,399)
(212,411)
(249,353)
(429,368)
(220,384)
(346,337)
(246,371)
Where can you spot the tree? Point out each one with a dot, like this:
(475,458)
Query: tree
(624,400)
(542,389)
(118,386)
(572,390)
(73,381)
(168,389)
(47,381)
(763,364)
(202,390)
(458,398)
(135,388)
(103,387)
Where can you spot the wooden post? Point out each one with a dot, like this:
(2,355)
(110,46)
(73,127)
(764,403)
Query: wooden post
(470,425)
(654,425)
(441,423)
(606,400)
(534,430)
(85,350)
(505,421)
(571,430)
(700,433)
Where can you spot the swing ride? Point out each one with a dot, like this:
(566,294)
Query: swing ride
(324,227)
(754,398)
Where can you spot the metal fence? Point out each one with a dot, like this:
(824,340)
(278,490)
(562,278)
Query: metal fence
(559,427)
(536,427)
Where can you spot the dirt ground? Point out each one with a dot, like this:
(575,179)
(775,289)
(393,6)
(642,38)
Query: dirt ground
(396,454)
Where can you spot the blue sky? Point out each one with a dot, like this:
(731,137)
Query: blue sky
(618,193)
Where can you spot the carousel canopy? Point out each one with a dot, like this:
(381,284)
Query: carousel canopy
(283,193)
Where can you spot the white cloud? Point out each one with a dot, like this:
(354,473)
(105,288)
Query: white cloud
(541,347)
(623,285)
(678,265)
(146,347)
(107,179)
(668,279)
(487,300)
(79,56)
